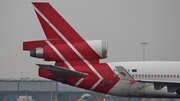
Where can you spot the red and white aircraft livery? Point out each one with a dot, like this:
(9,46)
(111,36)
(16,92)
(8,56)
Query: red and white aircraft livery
(77,63)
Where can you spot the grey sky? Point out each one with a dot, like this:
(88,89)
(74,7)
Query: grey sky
(123,23)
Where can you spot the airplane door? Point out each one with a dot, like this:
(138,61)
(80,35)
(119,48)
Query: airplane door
(136,90)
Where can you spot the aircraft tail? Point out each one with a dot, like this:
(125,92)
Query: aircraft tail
(54,25)
(68,49)
(63,42)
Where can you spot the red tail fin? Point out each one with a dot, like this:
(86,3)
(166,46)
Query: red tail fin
(54,25)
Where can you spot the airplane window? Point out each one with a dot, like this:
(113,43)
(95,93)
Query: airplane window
(148,75)
(167,76)
(152,76)
(171,76)
(164,76)
(139,75)
(158,76)
(142,75)
(133,75)
(136,75)
(161,76)
(145,75)
(174,76)
(177,76)
(155,75)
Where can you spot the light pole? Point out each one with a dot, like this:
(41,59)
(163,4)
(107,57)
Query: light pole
(144,43)
(21,75)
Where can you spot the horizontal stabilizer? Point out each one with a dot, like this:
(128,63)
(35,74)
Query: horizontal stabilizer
(61,71)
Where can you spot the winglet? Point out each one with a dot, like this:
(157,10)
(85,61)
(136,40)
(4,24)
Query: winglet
(125,75)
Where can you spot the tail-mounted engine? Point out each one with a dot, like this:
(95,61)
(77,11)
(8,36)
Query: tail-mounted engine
(71,52)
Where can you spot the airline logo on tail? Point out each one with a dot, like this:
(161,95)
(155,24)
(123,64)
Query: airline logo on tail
(77,60)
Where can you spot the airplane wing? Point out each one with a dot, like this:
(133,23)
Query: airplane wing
(172,86)
(125,75)
(61,71)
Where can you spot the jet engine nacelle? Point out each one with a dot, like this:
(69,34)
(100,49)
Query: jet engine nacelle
(68,52)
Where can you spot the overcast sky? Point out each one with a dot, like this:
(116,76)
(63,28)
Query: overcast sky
(123,23)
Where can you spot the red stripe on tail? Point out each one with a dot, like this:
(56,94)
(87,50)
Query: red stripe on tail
(58,21)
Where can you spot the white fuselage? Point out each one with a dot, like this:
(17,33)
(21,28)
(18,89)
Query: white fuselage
(148,71)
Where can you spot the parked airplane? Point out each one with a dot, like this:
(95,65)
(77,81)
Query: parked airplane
(77,63)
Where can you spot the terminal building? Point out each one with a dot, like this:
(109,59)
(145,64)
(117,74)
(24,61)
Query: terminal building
(45,90)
